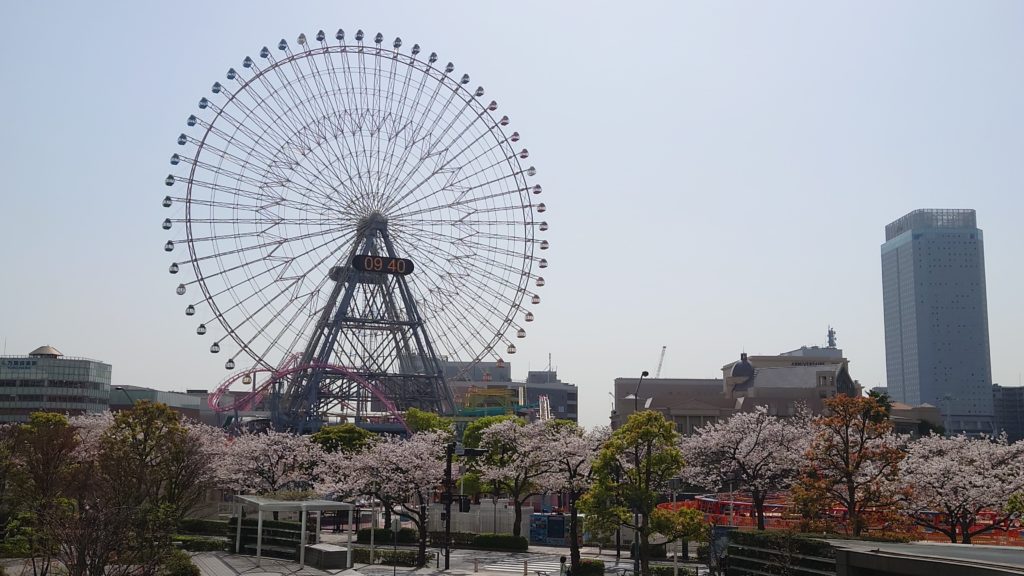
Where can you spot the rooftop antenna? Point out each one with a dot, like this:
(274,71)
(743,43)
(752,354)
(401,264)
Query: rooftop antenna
(831,337)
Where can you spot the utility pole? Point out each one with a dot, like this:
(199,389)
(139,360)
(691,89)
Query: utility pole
(450,450)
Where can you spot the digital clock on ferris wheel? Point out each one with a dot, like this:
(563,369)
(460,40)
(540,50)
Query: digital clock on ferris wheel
(382,264)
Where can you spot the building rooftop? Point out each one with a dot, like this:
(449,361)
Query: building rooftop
(931,218)
(45,352)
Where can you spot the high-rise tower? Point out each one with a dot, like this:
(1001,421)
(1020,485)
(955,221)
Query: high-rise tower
(936,316)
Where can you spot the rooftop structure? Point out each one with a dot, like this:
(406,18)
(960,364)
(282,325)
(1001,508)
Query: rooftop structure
(45,380)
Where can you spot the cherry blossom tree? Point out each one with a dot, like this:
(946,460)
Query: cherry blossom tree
(570,473)
(90,426)
(756,452)
(272,462)
(947,482)
(516,460)
(853,457)
(402,474)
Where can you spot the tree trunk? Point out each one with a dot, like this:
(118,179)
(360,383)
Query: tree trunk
(574,535)
(518,518)
(852,517)
(758,497)
(965,531)
(642,549)
(421,552)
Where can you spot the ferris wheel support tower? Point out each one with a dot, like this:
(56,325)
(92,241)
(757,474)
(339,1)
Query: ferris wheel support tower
(405,366)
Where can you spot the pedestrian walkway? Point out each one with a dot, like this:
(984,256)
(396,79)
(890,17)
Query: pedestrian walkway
(534,565)
(224,564)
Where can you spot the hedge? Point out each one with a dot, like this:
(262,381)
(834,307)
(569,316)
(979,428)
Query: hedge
(389,557)
(253,522)
(458,538)
(199,543)
(670,571)
(203,527)
(799,543)
(386,536)
(501,542)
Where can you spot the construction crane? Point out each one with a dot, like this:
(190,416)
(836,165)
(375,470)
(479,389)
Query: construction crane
(661,360)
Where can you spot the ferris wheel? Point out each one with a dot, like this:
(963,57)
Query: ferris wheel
(291,157)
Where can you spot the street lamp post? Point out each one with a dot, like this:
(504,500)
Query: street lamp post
(451,449)
(636,510)
(126,395)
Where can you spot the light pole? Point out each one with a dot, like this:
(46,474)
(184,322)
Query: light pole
(450,450)
(126,395)
(636,462)
(635,396)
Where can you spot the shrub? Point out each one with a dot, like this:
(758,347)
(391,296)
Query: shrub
(590,567)
(501,542)
(458,538)
(784,540)
(253,522)
(179,563)
(669,571)
(199,543)
(203,526)
(385,536)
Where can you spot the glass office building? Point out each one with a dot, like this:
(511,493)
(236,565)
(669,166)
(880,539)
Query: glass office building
(47,381)
(936,317)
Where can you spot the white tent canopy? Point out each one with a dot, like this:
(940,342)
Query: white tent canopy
(262,504)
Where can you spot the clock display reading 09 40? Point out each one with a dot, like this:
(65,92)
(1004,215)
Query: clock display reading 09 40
(382,264)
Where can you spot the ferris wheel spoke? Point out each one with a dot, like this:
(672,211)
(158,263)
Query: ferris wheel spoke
(460,316)
(275,243)
(271,155)
(304,105)
(389,105)
(467,200)
(449,270)
(352,101)
(451,185)
(284,262)
(418,134)
(280,114)
(328,100)
(480,251)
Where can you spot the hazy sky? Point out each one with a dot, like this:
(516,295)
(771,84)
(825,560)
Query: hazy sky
(719,174)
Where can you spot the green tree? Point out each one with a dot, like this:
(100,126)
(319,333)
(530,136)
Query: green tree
(474,430)
(684,524)
(632,470)
(43,474)
(423,421)
(346,438)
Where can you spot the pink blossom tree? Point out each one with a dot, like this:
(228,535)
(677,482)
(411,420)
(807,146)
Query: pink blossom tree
(572,451)
(402,474)
(752,451)
(517,458)
(271,462)
(91,427)
(947,482)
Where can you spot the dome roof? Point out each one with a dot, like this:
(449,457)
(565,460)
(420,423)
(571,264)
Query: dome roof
(743,368)
(45,352)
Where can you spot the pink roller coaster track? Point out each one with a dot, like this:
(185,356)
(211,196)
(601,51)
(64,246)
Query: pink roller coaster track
(289,367)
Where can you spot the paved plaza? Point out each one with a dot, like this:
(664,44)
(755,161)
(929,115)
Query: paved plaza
(539,561)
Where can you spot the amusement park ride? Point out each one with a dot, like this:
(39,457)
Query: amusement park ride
(352,215)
